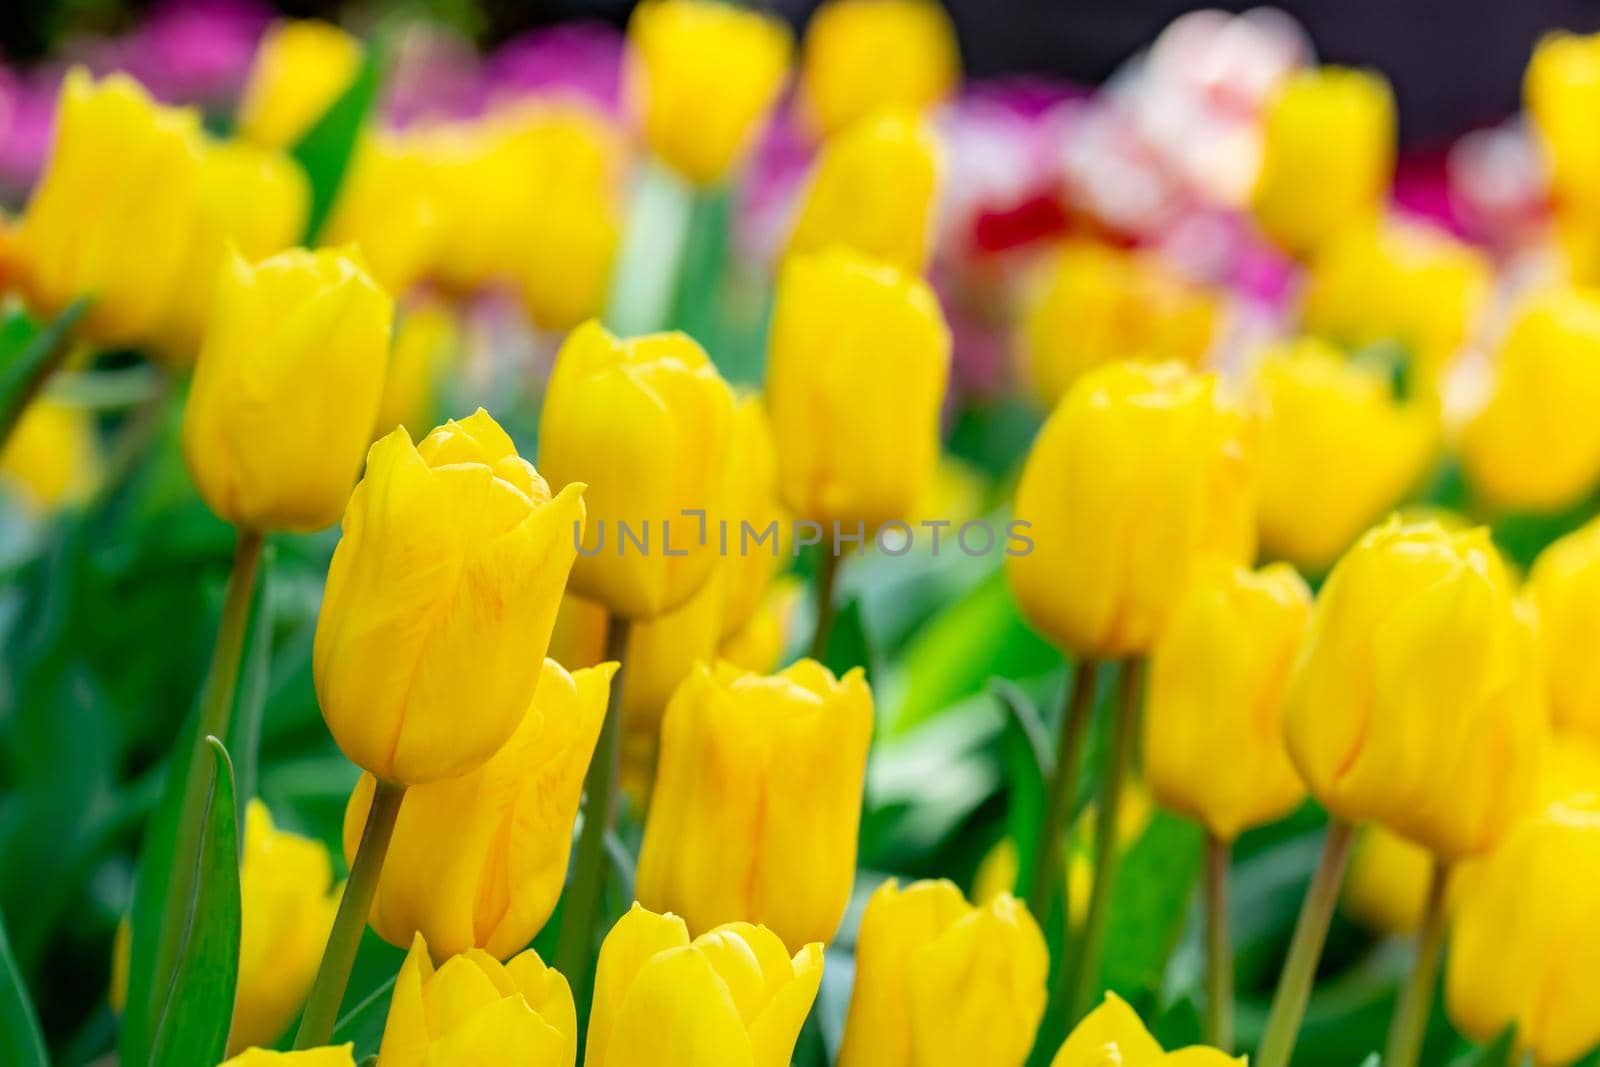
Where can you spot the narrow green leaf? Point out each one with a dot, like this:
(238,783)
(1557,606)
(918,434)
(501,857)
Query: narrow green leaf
(1028,769)
(21,1043)
(363,1024)
(28,353)
(199,1005)
(847,642)
(325,149)
(1155,886)
(250,696)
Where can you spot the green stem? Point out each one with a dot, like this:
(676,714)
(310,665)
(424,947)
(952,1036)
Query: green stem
(574,946)
(1305,949)
(58,337)
(355,905)
(1410,1023)
(1047,853)
(1219,946)
(827,578)
(216,706)
(1119,762)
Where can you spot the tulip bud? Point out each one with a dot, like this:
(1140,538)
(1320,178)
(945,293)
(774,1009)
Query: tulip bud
(861,56)
(701,78)
(759,644)
(940,983)
(286,906)
(52,458)
(645,422)
(1114,1034)
(856,369)
(478,861)
(1093,304)
(1536,443)
(579,636)
(110,216)
(1561,95)
(300,69)
(731,997)
(1525,942)
(327,1056)
(874,189)
(1327,156)
(426,340)
(757,800)
(1139,473)
(476,1010)
(1386,887)
(1337,450)
(1415,702)
(385,206)
(286,389)
(1565,589)
(1216,698)
(440,600)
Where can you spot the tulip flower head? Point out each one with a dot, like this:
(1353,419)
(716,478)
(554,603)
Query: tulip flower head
(732,996)
(52,458)
(1114,1034)
(328,1056)
(1565,589)
(1560,91)
(941,983)
(385,206)
(440,600)
(1386,886)
(427,339)
(301,67)
(863,56)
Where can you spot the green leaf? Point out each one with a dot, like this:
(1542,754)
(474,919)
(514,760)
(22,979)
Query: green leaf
(847,642)
(28,353)
(21,1044)
(250,695)
(1500,1052)
(1028,769)
(363,1024)
(199,1004)
(325,149)
(1155,885)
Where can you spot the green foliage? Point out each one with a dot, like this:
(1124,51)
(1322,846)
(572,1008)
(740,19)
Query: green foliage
(325,150)
(21,1044)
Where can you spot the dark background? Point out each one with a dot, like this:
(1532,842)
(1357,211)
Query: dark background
(1455,64)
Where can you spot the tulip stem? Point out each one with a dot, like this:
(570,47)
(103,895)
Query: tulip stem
(1305,949)
(40,359)
(1219,945)
(355,905)
(574,946)
(1410,1023)
(1113,784)
(827,578)
(1047,853)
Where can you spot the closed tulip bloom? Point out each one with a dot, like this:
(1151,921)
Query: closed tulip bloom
(426,341)
(1536,443)
(861,56)
(440,600)
(1415,702)
(1337,450)
(757,800)
(702,76)
(1093,304)
(1525,942)
(327,1056)
(301,67)
(1386,887)
(1142,471)
(579,637)
(475,1009)
(874,188)
(941,983)
(759,644)
(286,389)
(1216,698)
(478,861)
(747,569)
(1114,1034)
(52,458)
(287,902)
(645,423)
(731,997)
(1565,589)
(661,653)
(1561,92)
(385,206)
(1327,156)
(109,218)
(857,362)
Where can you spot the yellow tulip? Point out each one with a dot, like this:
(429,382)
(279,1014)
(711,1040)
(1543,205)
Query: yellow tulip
(1415,702)
(110,217)
(1141,471)
(860,56)
(474,1009)
(478,861)
(253,201)
(941,983)
(1114,1034)
(747,570)
(385,207)
(1327,156)
(301,67)
(661,653)
(426,340)
(1404,283)
(645,422)
(757,800)
(52,458)
(440,600)
(1092,304)
(1565,589)
(579,636)
(874,188)
(702,76)
(286,905)
(1536,443)
(1386,887)
(1526,938)
(731,997)
(1337,450)
(327,1056)
(857,364)
(1216,698)
(1561,94)
(286,389)
(759,644)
